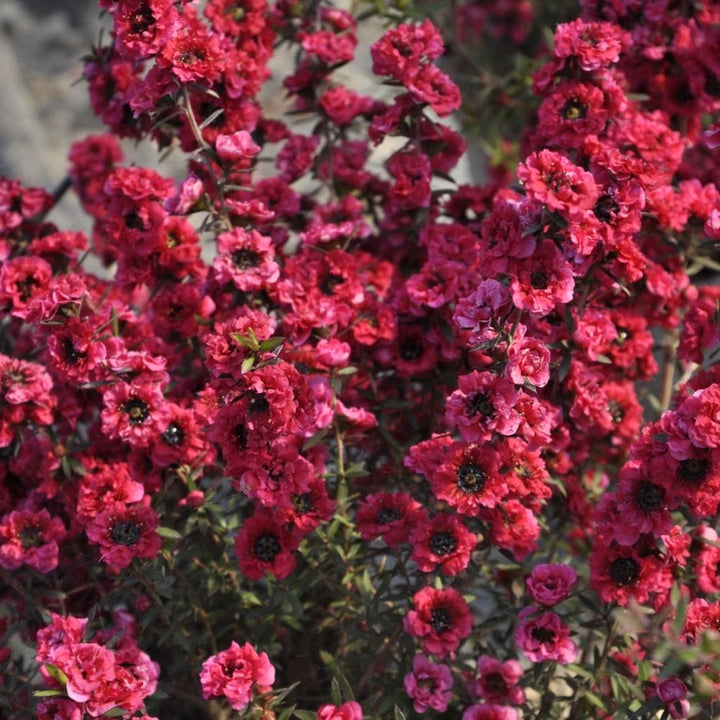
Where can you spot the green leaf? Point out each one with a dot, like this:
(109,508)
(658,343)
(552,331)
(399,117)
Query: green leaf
(349,370)
(345,689)
(335,694)
(247,365)
(56,674)
(48,693)
(271,344)
(305,715)
(398,713)
(168,533)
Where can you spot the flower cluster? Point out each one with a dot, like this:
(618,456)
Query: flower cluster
(93,674)
(369,421)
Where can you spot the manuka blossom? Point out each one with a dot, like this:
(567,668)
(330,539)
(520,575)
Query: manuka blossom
(440,618)
(551,583)
(444,542)
(29,537)
(497,681)
(123,533)
(262,545)
(349,710)
(428,685)
(543,636)
(482,404)
(238,674)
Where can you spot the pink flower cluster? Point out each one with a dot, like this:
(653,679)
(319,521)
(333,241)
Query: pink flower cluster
(93,674)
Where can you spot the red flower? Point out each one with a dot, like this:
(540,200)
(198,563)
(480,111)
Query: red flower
(131,412)
(619,573)
(264,546)
(482,404)
(442,542)
(391,515)
(543,636)
(402,50)
(246,259)
(441,618)
(29,537)
(542,281)
(142,27)
(237,673)
(469,478)
(551,179)
(123,533)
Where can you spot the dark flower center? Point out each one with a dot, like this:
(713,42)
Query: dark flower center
(26,287)
(142,20)
(470,478)
(649,496)
(137,410)
(573,110)
(616,410)
(387,515)
(481,403)
(174,434)
(133,221)
(694,470)
(495,684)
(411,349)
(543,635)
(331,281)
(240,435)
(266,547)
(606,208)
(125,533)
(539,280)
(303,503)
(443,543)
(31,537)
(440,619)
(71,353)
(257,402)
(624,570)
(245,259)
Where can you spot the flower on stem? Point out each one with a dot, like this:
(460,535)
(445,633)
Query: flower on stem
(125,532)
(443,542)
(238,674)
(264,546)
(497,681)
(551,583)
(29,537)
(440,618)
(543,636)
(429,685)
(349,710)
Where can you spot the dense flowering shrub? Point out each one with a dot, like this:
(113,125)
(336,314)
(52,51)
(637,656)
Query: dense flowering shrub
(338,440)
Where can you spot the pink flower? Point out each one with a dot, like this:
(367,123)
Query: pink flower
(549,584)
(528,360)
(30,538)
(237,673)
(544,636)
(673,692)
(497,681)
(429,685)
(490,712)
(350,710)
(236,146)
